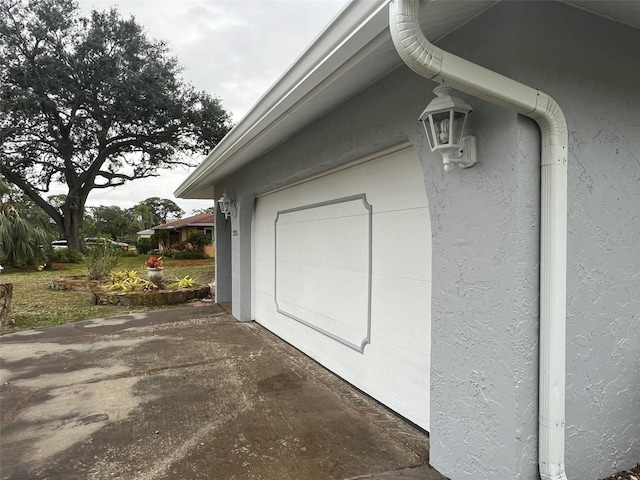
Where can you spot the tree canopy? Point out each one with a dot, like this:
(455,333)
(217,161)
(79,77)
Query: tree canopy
(92,103)
(197,211)
(110,221)
(161,209)
(122,224)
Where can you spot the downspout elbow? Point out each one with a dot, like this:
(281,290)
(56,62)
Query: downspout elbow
(418,53)
(432,62)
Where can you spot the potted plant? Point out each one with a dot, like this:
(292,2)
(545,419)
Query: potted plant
(155,270)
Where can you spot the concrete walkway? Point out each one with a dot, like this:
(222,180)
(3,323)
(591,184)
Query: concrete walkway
(188,393)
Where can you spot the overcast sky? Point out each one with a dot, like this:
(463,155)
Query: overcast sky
(234,49)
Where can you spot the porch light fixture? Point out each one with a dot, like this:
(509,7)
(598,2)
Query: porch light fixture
(443,121)
(227,206)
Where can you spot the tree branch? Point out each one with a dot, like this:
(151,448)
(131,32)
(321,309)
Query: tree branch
(32,194)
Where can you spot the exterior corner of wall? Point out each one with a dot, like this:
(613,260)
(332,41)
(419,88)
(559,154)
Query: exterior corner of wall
(241,241)
(223,273)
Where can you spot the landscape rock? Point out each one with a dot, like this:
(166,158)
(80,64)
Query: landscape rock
(156,298)
(6,295)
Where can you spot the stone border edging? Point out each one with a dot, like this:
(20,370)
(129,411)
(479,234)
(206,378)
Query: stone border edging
(152,298)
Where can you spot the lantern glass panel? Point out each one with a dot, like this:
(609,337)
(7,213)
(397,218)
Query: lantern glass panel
(223,205)
(428,129)
(458,126)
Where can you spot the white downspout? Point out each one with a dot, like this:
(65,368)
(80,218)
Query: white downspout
(432,62)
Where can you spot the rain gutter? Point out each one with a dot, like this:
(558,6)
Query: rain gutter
(443,67)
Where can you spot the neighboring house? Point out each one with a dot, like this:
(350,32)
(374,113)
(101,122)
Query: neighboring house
(145,233)
(178,231)
(428,289)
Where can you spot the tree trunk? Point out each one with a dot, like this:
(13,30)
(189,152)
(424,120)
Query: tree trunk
(6,295)
(73,216)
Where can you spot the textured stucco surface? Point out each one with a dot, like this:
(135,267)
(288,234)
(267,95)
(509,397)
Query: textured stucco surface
(485,311)
(223,259)
(485,226)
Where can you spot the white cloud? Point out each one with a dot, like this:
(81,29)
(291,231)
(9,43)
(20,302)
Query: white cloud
(223,42)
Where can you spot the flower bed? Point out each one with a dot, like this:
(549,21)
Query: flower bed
(127,288)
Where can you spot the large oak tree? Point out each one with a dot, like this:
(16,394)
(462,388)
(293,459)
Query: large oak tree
(92,103)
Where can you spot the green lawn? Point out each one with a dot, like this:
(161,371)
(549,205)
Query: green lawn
(36,305)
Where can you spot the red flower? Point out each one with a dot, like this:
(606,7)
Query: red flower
(154,262)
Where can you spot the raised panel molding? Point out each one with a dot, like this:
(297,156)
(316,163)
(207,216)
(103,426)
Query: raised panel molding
(351,250)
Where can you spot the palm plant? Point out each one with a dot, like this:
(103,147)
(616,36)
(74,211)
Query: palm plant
(20,241)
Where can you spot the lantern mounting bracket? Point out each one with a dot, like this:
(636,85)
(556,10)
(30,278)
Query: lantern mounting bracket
(465,157)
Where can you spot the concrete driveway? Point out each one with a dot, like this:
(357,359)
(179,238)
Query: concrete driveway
(187,393)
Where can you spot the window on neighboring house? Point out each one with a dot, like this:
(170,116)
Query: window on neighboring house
(208,231)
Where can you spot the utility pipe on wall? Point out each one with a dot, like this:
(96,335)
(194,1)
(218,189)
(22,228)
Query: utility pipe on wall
(434,63)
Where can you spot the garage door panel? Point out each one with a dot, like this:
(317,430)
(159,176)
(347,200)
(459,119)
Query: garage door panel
(323,290)
(322,252)
(265,250)
(343,261)
(343,313)
(385,183)
(411,328)
(342,244)
(399,247)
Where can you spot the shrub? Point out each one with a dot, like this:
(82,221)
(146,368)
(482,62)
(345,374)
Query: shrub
(178,246)
(169,253)
(189,255)
(100,261)
(186,282)
(127,281)
(64,256)
(159,236)
(143,246)
(19,238)
(199,240)
(122,275)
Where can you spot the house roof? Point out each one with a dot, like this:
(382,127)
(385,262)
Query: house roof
(200,220)
(353,51)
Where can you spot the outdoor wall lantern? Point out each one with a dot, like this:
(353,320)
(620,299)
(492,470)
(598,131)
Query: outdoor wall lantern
(443,122)
(227,206)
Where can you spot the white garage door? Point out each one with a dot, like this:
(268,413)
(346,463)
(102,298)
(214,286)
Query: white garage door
(343,271)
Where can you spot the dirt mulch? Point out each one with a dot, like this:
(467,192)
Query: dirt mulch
(631,474)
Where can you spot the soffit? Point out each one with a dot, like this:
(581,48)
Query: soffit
(623,11)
